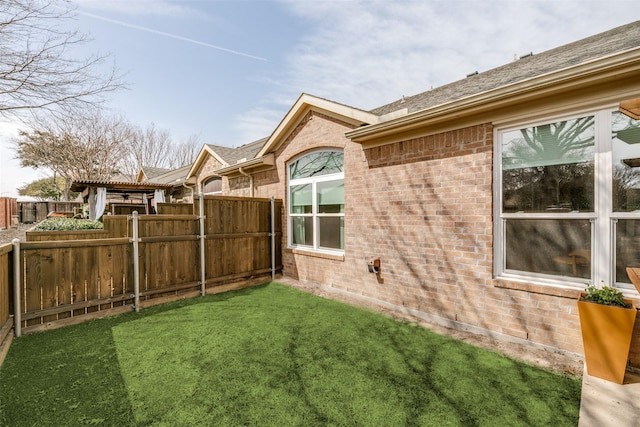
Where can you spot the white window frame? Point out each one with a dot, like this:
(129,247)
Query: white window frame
(603,219)
(314,205)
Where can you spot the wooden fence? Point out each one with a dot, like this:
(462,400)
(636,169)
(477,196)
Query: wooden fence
(30,212)
(6,320)
(70,277)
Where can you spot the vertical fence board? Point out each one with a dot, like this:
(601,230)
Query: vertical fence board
(6,283)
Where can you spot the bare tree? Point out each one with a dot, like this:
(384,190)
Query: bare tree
(148,147)
(154,147)
(185,152)
(37,69)
(90,146)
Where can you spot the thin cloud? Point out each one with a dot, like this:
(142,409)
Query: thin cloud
(368,53)
(173,36)
(140,7)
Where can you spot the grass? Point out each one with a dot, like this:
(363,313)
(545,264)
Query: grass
(270,356)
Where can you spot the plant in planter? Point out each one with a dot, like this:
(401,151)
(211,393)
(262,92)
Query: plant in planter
(606,321)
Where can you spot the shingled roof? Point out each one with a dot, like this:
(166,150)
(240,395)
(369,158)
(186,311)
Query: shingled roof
(233,155)
(152,172)
(598,46)
(175,177)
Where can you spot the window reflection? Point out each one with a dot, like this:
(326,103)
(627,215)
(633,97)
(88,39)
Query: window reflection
(549,246)
(626,163)
(549,167)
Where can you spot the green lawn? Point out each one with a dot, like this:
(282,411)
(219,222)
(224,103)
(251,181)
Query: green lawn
(270,356)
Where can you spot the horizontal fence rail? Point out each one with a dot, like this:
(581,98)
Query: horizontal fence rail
(67,277)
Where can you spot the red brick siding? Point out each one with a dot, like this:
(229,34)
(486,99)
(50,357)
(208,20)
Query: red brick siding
(424,207)
(314,131)
(8,207)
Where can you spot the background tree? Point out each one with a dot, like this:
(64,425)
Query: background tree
(184,153)
(154,147)
(98,146)
(90,146)
(44,189)
(37,71)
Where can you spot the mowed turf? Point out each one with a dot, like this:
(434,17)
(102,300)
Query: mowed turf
(270,356)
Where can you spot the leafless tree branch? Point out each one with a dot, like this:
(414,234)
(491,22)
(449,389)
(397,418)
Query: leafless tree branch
(38,70)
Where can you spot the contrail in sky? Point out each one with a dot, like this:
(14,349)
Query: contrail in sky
(173,36)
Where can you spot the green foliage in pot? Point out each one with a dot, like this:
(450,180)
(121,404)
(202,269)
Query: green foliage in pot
(605,295)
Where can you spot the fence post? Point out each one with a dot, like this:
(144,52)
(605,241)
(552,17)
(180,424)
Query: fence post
(136,262)
(203,277)
(17,318)
(273,240)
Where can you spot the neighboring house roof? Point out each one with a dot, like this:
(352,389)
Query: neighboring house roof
(148,172)
(120,177)
(616,40)
(233,155)
(175,177)
(225,155)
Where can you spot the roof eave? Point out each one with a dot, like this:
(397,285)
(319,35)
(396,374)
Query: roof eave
(302,106)
(562,80)
(266,162)
(204,154)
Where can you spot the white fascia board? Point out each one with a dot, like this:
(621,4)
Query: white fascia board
(306,103)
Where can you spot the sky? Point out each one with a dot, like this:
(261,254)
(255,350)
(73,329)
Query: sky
(228,71)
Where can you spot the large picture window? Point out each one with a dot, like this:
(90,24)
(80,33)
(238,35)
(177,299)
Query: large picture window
(569,199)
(316,201)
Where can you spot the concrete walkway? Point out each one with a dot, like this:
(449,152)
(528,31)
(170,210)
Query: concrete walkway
(606,404)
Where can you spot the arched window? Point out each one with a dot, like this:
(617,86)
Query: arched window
(213,185)
(316,201)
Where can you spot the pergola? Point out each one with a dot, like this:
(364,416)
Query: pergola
(132,194)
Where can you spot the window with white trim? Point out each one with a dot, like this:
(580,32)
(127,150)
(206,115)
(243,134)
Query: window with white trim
(316,201)
(568,199)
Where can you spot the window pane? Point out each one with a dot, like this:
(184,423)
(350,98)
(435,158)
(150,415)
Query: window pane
(331,196)
(331,232)
(213,185)
(301,199)
(549,246)
(627,248)
(302,230)
(317,164)
(626,163)
(549,168)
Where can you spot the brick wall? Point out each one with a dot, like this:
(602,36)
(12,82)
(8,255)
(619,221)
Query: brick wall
(424,207)
(314,131)
(8,208)
(207,170)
